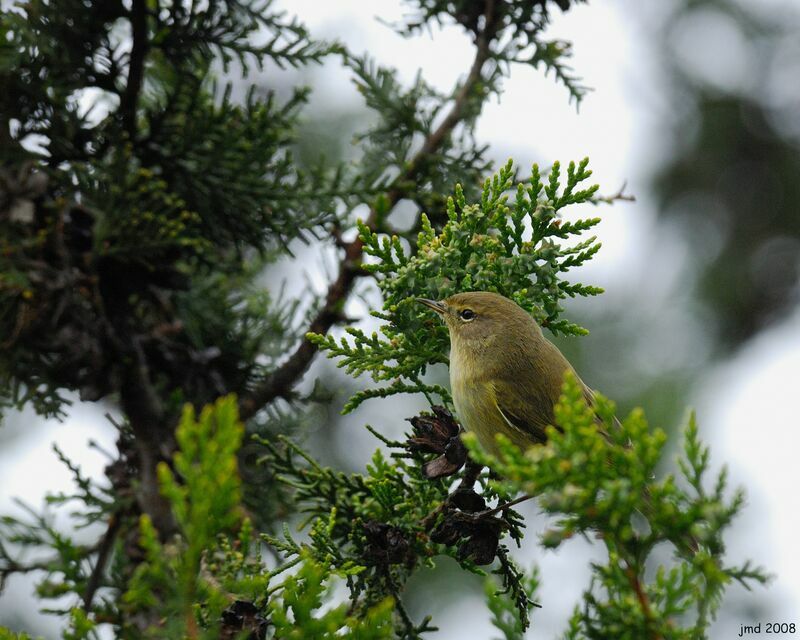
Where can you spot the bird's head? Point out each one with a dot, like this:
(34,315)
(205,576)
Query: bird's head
(482,315)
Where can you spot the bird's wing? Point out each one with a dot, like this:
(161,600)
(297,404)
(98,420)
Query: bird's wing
(530,416)
(588,394)
(526,415)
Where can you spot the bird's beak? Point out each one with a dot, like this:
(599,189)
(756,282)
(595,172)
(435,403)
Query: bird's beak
(438,307)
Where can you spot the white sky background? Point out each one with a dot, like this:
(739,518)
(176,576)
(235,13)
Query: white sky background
(745,407)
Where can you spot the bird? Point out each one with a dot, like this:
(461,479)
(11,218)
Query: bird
(505,375)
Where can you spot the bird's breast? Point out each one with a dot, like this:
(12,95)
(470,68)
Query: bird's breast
(473,398)
(463,383)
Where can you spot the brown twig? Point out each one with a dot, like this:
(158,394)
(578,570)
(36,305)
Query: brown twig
(103,554)
(435,139)
(619,196)
(282,381)
(10,567)
(644,602)
(504,506)
(148,420)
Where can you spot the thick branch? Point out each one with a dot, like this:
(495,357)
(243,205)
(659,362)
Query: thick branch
(103,554)
(456,114)
(281,382)
(130,97)
(146,415)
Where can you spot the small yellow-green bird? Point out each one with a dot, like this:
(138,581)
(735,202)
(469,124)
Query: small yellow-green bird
(505,375)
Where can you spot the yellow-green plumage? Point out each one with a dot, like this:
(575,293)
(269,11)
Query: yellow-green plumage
(506,377)
(504,374)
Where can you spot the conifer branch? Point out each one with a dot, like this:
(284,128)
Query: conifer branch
(456,114)
(105,546)
(642,598)
(130,97)
(282,381)
(11,567)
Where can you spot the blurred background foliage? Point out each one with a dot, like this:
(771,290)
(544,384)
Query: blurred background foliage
(722,182)
(737,127)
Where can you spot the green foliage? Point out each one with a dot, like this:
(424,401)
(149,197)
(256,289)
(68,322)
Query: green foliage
(595,479)
(205,502)
(603,480)
(385,525)
(375,534)
(206,465)
(214,560)
(141,203)
(512,248)
(523,22)
(176,184)
(33,542)
(130,181)
(80,626)
(402,115)
(7,634)
(505,613)
(296,614)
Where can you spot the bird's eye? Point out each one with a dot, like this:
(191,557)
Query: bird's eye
(467,315)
